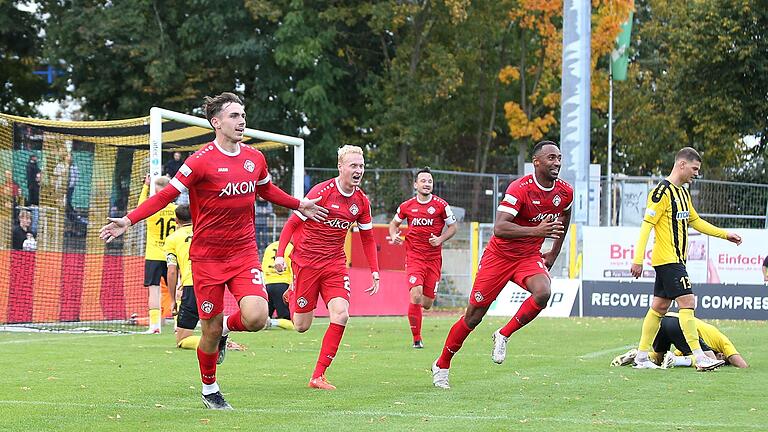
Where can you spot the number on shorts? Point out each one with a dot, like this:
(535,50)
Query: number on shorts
(257,277)
(346,283)
(685,282)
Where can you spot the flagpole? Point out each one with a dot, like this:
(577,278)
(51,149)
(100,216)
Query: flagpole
(608,168)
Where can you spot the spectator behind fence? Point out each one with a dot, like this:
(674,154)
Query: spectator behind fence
(172,166)
(33,181)
(9,193)
(23,236)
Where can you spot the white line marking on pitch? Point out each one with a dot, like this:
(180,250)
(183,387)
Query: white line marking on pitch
(368,413)
(604,352)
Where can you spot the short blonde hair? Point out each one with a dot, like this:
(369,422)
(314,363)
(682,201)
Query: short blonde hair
(162,181)
(349,149)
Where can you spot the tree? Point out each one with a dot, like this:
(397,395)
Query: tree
(533,114)
(19,57)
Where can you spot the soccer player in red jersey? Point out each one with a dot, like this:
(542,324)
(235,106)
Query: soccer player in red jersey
(318,260)
(223,179)
(535,207)
(427,215)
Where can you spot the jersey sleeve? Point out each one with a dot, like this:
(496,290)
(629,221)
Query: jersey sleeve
(513,200)
(448,215)
(364,220)
(190,173)
(264,177)
(568,199)
(400,213)
(658,202)
(169,247)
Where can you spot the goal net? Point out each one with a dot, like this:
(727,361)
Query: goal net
(61,182)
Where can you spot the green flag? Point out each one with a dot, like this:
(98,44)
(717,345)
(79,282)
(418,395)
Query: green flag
(620,55)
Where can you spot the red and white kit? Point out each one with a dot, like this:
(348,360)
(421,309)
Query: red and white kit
(318,260)
(423,261)
(222,190)
(519,258)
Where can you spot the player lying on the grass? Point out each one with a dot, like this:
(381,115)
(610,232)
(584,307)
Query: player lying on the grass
(430,223)
(713,342)
(535,207)
(318,259)
(223,179)
(669,213)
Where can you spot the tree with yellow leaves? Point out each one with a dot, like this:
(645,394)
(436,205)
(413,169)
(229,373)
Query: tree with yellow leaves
(537,72)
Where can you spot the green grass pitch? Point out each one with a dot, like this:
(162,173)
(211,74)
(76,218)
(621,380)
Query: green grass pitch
(556,378)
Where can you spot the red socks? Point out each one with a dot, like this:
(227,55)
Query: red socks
(234,323)
(207,363)
(453,342)
(328,350)
(414,318)
(527,312)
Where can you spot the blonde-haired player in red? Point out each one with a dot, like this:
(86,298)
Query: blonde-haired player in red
(535,207)
(318,260)
(223,179)
(427,216)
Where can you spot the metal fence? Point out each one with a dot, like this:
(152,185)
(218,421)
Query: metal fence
(725,204)
(471,195)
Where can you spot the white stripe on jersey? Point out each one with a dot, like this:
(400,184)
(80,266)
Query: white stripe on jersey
(510,199)
(397,219)
(178,185)
(365,227)
(301,216)
(507,209)
(265,180)
(451,219)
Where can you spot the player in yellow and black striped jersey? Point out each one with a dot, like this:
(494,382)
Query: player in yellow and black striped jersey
(669,213)
(176,249)
(159,226)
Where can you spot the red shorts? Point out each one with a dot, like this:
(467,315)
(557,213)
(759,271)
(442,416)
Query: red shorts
(425,274)
(309,283)
(495,271)
(242,277)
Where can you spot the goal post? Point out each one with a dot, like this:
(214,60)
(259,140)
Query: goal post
(157,115)
(63,179)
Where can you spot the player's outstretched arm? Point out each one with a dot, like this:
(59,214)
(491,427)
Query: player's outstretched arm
(551,256)
(738,361)
(117,226)
(311,210)
(394,232)
(114,229)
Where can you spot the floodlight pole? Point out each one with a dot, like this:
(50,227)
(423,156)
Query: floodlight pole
(156,116)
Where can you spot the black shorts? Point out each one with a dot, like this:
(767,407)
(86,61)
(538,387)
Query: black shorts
(153,271)
(670,334)
(672,281)
(187,317)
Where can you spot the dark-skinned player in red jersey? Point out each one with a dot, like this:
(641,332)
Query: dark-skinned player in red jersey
(318,260)
(535,207)
(223,179)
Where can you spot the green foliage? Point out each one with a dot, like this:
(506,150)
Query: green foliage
(20,90)
(700,79)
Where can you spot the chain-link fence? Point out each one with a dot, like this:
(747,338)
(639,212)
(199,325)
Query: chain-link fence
(725,204)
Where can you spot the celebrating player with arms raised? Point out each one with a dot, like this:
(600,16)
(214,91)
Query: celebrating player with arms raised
(318,259)
(223,179)
(427,215)
(535,207)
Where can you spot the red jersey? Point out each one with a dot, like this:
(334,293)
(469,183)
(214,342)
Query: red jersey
(321,244)
(424,220)
(530,203)
(222,194)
